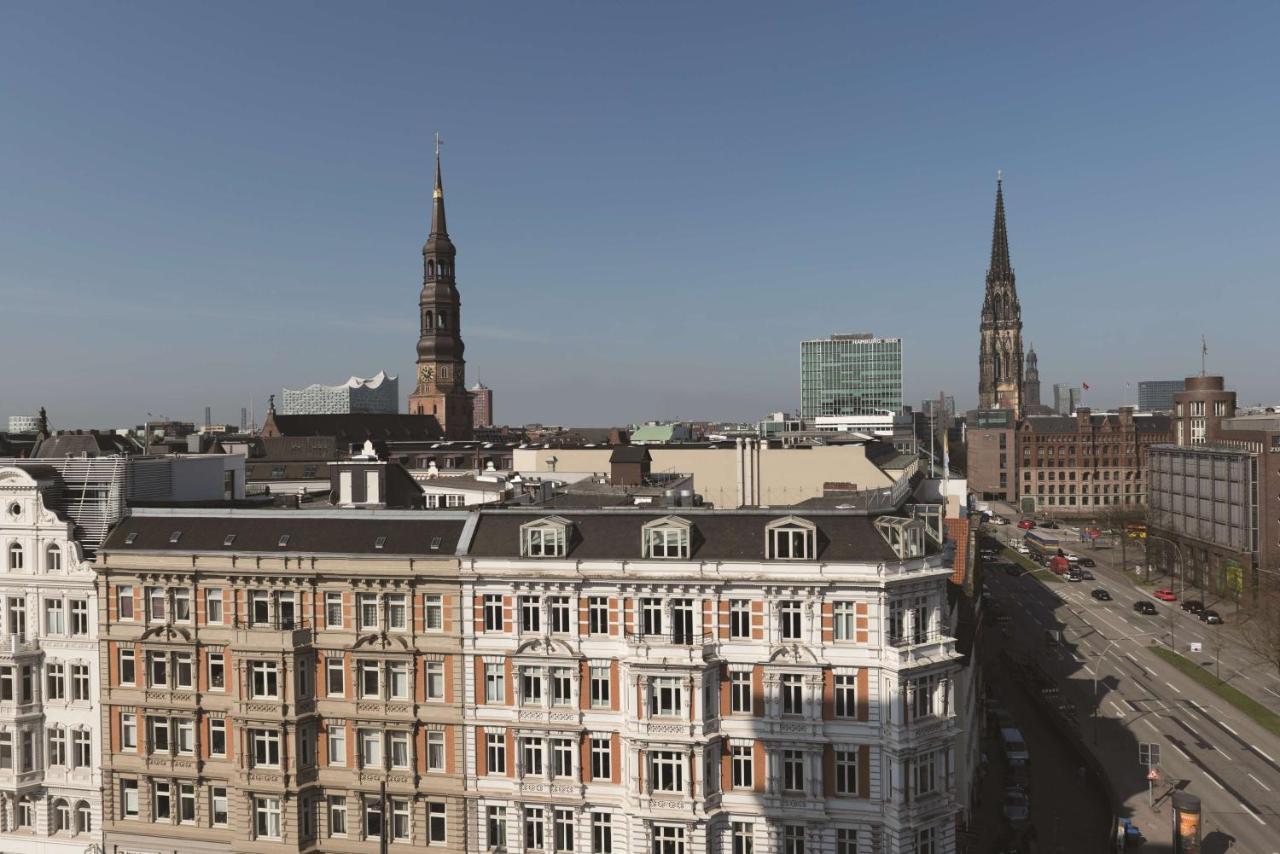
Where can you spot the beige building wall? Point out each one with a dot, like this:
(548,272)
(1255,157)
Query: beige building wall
(732,476)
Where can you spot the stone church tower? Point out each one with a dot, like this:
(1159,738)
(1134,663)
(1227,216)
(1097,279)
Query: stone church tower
(1031,383)
(1000,352)
(441,371)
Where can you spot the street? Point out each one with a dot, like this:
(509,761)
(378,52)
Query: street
(1207,747)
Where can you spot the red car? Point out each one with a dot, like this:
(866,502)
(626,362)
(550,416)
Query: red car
(1027,524)
(1164,594)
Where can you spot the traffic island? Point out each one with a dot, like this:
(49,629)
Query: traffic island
(1259,713)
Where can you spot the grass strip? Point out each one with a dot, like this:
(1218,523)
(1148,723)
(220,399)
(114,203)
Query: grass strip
(1031,566)
(1260,714)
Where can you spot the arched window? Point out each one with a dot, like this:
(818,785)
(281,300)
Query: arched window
(428,321)
(442,320)
(53,558)
(84,817)
(431,269)
(15,557)
(61,816)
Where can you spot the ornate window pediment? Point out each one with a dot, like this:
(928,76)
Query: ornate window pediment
(791,538)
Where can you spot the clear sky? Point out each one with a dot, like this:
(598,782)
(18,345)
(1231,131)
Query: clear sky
(653,203)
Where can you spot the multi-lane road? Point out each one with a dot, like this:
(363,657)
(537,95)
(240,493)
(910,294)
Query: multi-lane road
(1207,747)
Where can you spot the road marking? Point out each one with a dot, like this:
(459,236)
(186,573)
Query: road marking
(1150,724)
(1174,687)
(1228,728)
(1256,817)
(1214,781)
(1087,668)
(1264,753)
(1119,711)
(1178,748)
(1269,691)
(1260,783)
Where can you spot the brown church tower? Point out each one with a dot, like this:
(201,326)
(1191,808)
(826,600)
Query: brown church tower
(1000,363)
(441,373)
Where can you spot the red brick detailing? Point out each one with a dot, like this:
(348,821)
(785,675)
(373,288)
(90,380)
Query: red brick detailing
(584,685)
(864,694)
(509,681)
(757,621)
(479,671)
(615,617)
(449,668)
(757,691)
(507,606)
(482,752)
(757,764)
(449,604)
(724,692)
(860,622)
(723,627)
(828,622)
(615,756)
(615,687)
(828,694)
(828,770)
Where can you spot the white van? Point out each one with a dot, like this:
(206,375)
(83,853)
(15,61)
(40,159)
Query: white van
(1015,746)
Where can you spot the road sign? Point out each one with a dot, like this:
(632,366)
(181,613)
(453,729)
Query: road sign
(1195,646)
(1153,774)
(1148,754)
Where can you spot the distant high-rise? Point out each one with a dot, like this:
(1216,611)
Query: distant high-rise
(1000,350)
(378,394)
(1157,395)
(853,374)
(482,405)
(208,416)
(244,419)
(1065,398)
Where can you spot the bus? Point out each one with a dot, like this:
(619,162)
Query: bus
(1042,544)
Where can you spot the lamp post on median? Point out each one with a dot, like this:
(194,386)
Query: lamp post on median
(1181,565)
(1097,701)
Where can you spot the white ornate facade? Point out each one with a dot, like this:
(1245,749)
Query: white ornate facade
(727,682)
(49,712)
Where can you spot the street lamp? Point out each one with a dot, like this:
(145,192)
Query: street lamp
(1102,656)
(1182,568)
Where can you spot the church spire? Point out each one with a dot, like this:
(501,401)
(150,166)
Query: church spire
(438,225)
(1000,268)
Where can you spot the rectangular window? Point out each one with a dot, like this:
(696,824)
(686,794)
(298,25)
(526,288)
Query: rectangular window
(182,604)
(335,683)
(57,746)
(532,750)
(186,736)
(533,830)
(739,619)
(846,695)
(333,614)
(367,606)
(369,682)
(54,623)
(844,621)
(530,614)
(370,748)
(668,839)
(495,752)
(124,601)
(266,818)
(668,543)
(183,674)
(740,692)
(651,616)
(492,612)
(436,822)
(559,606)
(337,815)
(81,749)
(265,746)
(161,800)
(337,734)
(217,737)
(435,751)
(666,771)
(213,605)
(398,749)
(434,607)
(846,772)
(601,758)
(666,696)
(561,686)
(601,833)
(741,766)
(128,731)
(400,819)
(561,757)
(531,685)
(129,798)
(397,612)
(186,803)
(789,619)
(598,615)
(495,683)
(563,833)
(743,836)
(398,680)
(846,841)
(218,806)
(926,773)
(156,600)
(56,681)
(372,818)
(157,670)
(599,687)
(496,823)
(926,841)
(792,694)
(217,671)
(79,617)
(435,679)
(264,682)
(793,839)
(792,771)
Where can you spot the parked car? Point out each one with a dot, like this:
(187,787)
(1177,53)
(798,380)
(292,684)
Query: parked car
(1100,594)
(1164,594)
(999,520)
(1211,617)
(1195,606)
(1019,777)
(1087,561)
(1027,524)
(1074,575)
(1086,574)
(1015,746)
(1021,548)
(1142,606)
(1071,557)
(1049,523)
(1017,806)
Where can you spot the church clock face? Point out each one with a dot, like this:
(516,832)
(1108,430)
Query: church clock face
(425,373)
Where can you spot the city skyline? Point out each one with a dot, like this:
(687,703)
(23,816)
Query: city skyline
(167,235)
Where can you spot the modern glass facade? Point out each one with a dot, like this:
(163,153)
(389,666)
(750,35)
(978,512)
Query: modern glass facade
(850,375)
(1157,395)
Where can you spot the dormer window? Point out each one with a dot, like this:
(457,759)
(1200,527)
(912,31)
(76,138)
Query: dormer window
(544,538)
(904,536)
(666,539)
(791,538)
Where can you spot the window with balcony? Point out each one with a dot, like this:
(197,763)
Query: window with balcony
(651,616)
(791,538)
(739,619)
(544,538)
(666,771)
(666,538)
(264,680)
(742,771)
(740,692)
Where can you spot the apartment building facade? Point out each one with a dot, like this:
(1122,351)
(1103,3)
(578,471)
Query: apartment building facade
(614,682)
(49,717)
(280,681)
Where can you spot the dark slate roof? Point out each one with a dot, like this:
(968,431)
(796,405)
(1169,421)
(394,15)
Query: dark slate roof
(310,532)
(1052,423)
(723,535)
(91,444)
(357,427)
(259,470)
(1154,424)
(295,448)
(629,454)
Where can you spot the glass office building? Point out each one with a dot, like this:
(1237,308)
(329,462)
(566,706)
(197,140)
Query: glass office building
(855,374)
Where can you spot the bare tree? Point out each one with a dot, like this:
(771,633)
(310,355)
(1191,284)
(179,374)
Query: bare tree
(1258,628)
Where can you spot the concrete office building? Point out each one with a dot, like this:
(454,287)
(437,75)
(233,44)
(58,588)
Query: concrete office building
(50,722)
(1157,395)
(24,423)
(377,394)
(482,401)
(854,374)
(1065,398)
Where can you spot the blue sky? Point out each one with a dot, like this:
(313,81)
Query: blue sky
(653,203)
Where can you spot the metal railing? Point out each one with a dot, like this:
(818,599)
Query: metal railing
(672,638)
